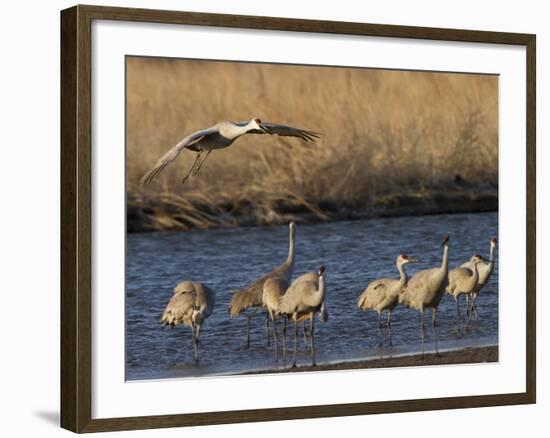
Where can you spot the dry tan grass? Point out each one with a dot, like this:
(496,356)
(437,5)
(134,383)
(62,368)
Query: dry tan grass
(384,133)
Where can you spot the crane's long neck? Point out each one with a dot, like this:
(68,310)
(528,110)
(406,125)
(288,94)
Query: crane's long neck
(445,261)
(322,289)
(475,270)
(290,258)
(234,131)
(492,254)
(402,275)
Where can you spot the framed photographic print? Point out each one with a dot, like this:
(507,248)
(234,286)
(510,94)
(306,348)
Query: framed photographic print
(288,214)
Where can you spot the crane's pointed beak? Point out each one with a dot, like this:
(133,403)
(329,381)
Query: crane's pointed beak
(263,128)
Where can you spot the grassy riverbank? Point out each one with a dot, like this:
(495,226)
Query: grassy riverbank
(393,143)
(170,212)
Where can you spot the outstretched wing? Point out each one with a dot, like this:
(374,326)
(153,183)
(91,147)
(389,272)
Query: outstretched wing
(173,153)
(285,131)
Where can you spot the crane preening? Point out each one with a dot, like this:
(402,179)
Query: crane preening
(220,136)
(191,304)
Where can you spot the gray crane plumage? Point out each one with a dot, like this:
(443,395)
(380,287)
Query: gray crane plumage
(425,290)
(248,300)
(463,281)
(383,294)
(304,298)
(220,136)
(273,289)
(190,305)
(485,270)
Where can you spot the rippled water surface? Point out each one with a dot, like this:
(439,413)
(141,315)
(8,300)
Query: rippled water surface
(354,254)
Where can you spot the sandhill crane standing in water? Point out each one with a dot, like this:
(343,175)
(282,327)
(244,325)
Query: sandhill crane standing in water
(191,304)
(485,269)
(383,294)
(304,297)
(273,290)
(425,290)
(221,136)
(247,301)
(463,281)
(303,318)
(300,317)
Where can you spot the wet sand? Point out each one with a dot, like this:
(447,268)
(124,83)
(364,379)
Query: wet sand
(463,356)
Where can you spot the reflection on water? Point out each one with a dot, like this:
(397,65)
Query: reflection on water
(354,253)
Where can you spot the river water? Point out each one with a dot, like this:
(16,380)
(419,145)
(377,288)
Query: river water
(354,253)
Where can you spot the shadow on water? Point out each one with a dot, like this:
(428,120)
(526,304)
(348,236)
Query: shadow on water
(354,253)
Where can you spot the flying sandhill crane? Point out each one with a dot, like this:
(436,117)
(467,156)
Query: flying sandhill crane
(383,294)
(425,290)
(463,281)
(221,136)
(191,304)
(485,270)
(247,301)
(304,297)
(273,290)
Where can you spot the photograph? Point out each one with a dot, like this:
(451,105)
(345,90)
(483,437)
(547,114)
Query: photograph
(285,218)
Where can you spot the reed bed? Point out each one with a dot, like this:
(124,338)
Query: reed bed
(392,142)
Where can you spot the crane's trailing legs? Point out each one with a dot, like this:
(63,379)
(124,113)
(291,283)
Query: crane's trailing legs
(197,157)
(201,163)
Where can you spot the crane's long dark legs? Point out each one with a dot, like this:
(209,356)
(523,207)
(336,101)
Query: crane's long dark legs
(275,341)
(195,340)
(422,333)
(295,340)
(473,305)
(389,327)
(284,337)
(201,163)
(457,313)
(266,329)
(248,330)
(312,337)
(192,168)
(305,334)
(434,330)
(379,328)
